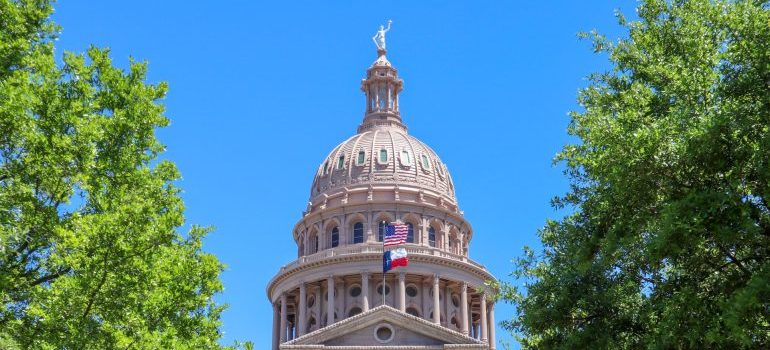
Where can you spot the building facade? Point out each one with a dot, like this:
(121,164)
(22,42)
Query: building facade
(333,294)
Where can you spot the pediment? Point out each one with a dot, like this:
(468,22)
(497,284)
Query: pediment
(396,329)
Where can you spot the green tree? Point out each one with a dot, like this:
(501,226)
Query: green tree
(667,240)
(90,253)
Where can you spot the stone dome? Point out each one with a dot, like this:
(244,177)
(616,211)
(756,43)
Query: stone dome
(383,156)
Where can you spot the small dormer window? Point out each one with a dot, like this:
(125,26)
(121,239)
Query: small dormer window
(406,159)
(326,167)
(425,162)
(341,163)
(361,158)
(383,156)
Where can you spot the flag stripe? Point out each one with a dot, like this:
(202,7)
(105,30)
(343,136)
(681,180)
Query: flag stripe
(395,234)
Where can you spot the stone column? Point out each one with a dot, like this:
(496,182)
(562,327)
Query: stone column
(445,238)
(329,300)
(283,317)
(424,289)
(372,225)
(341,298)
(492,327)
(276,325)
(447,304)
(365,291)
(484,317)
(402,291)
(302,312)
(464,307)
(436,302)
(317,305)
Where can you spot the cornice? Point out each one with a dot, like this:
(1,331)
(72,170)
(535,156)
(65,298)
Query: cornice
(371,254)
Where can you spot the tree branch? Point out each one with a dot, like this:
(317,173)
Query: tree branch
(50,277)
(734,260)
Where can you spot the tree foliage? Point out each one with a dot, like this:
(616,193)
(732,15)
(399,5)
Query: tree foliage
(668,240)
(90,253)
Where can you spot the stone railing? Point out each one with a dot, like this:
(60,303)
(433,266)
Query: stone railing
(376,249)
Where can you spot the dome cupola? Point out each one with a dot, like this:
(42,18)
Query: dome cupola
(381,86)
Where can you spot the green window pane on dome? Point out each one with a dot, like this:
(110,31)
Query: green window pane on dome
(341,162)
(383,156)
(361,158)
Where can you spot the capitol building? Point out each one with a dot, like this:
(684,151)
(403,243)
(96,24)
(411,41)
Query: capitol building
(333,296)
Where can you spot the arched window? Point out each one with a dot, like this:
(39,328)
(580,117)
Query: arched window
(383,156)
(341,162)
(358,233)
(315,244)
(381,230)
(335,237)
(432,236)
(361,158)
(410,233)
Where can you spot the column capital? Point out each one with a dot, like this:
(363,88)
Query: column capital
(464,286)
(401,276)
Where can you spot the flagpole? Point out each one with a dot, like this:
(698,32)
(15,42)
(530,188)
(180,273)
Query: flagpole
(382,290)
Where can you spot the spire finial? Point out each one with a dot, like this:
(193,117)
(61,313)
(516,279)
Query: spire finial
(381,87)
(379,38)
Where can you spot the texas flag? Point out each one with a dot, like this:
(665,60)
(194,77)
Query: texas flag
(394,258)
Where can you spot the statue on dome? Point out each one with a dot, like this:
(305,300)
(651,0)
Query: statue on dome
(379,38)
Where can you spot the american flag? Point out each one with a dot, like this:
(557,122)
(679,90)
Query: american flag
(395,234)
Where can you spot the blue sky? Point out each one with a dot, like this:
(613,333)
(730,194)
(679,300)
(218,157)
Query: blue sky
(260,92)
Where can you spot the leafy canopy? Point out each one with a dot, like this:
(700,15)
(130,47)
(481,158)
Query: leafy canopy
(668,243)
(90,254)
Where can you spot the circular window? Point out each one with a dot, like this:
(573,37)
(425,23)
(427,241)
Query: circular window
(310,324)
(384,333)
(310,301)
(411,291)
(355,291)
(354,311)
(455,300)
(379,290)
(412,311)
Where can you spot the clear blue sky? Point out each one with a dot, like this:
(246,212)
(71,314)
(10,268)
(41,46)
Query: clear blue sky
(261,92)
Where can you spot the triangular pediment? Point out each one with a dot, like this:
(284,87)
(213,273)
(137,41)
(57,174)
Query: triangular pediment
(383,327)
